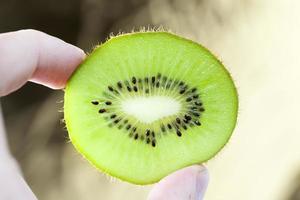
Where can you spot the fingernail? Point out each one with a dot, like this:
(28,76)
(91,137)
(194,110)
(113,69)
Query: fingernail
(202,178)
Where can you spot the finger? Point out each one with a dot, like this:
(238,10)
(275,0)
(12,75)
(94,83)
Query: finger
(12,184)
(33,55)
(29,55)
(4,152)
(186,184)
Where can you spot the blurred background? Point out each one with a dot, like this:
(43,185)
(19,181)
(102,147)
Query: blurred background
(257,40)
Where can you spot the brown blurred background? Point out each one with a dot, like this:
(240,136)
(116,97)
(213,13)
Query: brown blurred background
(257,40)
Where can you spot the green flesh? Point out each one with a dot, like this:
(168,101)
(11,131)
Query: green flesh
(141,55)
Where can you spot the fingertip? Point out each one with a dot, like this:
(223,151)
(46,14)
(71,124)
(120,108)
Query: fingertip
(38,57)
(187,183)
(57,61)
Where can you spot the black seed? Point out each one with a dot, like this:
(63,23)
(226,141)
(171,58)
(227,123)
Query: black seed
(197,123)
(194,90)
(136,136)
(169,126)
(196,114)
(163,129)
(202,109)
(102,110)
(185,121)
(157,84)
(197,103)
(120,126)
(184,127)
(133,80)
(153,79)
(153,143)
(117,121)
(196,96)
(153,134)
(158,76)
(178,120)
(164,78)
(181,83)
(194,108)
(119,85)
(110,88)
(146,80)
(128,127)
(125,121)
(148,140)
(108,103)
(187,117)
(139,80)
(95,102)
(113,116)
(147,91)
(182,91)
(147,132)
(142,137)
(133,129)
(129,88)
(188,99)
(178,133)
(135,88)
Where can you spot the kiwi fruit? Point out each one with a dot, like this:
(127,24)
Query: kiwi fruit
(145,104)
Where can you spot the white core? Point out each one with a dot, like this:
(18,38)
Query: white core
(150,109)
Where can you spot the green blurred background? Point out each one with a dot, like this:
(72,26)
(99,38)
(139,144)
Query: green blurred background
(257,40)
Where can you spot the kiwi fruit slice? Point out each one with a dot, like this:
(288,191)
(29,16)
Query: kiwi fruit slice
(145,104)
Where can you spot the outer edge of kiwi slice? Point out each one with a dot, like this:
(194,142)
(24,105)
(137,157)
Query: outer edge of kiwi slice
(139,182)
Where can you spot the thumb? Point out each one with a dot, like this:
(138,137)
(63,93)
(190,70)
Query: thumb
(186,184)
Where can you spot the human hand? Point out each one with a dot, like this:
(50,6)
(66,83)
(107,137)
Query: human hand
(30,55)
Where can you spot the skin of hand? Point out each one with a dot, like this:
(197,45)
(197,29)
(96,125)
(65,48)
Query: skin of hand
(30,55)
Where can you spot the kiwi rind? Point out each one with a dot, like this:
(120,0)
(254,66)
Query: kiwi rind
(152,178)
